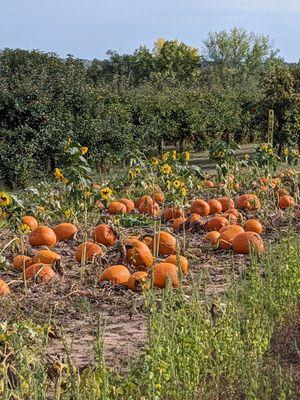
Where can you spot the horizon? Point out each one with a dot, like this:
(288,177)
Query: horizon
(89,30)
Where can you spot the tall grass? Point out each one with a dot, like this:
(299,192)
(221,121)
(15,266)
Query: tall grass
(196,349)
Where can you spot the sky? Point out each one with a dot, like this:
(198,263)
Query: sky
(88,28)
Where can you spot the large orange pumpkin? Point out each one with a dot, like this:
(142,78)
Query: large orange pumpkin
(21,261)
(104,234)
(226,202)
(89,249)
(162,272)
(129,205)
(243,242)
(227,236)
(253,225)
(286,201)
(137,281)
(216,223)
(200,207)
(42,236)
(165,242)
(116,207)
(65,231)
(172,213)
(215,207)
(4,288)
(30,221)
(178,223)
(44,272)
(46,257)
(139,254)
(179,261)
(117,274)
(212,237)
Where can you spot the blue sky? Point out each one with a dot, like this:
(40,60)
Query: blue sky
(87,28)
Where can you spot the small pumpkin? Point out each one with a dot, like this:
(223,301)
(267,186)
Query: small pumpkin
(178,223)
(159,197)
(43,236)
(65,231)
(165,242)
(226,202)
(200,207)
(253,225)
(89,249)
(162,272)
(212,237)
(208,183)
(227,236)
(172,213)
(137,281)
(117,274)
(216,223)
(4,288)
(215,207)
(179,261)
(104,234)
(147,206)
(30,221)
(139,254)
(46,257)
(286,201)
(21,261)
(282,192)
(243,242)
(116,207)
(129,204)
(43,271)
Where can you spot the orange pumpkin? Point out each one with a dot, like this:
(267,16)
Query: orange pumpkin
(282,192)
(65,231)
(144,201)
(162,272)
(251,204)
(216,223)
(89,249)
(129,204)
(286,201)
(116,207)
(21,261)
(159,197)
(137,281)
(225,228)
(241,199)
(104,234)
(215,207)
(172,213)
(227,236)
(212,237)
(243,242)
(117,274)
(208,183)
(4,288)
(165,242)
(253,225)
(200,207)
(46,257)
(194,217)
(148,241)
(227,203)
(30,221)
(43,271)
(139,254)
(179,261)
(42,236)
(178,223)
(147,206)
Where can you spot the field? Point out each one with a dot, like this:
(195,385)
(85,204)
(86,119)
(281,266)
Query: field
(203,303)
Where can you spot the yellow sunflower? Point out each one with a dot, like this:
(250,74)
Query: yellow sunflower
(5,200)
(68,213)
(187,156)
(87,194)
(58,173)
(166,156)
(183,191)
(166,169)
(168,184)
(174,155)
(137,171)
(176,184)
(24,228)
(154,161)
(41,209)
(286,151)
(105,193)
(84,150)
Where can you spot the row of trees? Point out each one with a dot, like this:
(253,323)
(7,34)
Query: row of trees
(136,101)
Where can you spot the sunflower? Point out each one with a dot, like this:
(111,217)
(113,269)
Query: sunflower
(84,150)
(41,209)
(137,171)
(183,191)
(3,215)
(187,156)
(105,193)
(168,184)
(68,213)
(154,161)
(87,194)
(286,151)
(176,184)
(166,169)
(166,156)
(221,154)
(24,228)
(174,155)
(58,173)
(5,200)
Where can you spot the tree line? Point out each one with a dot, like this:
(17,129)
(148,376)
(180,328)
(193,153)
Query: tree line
(172,93)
